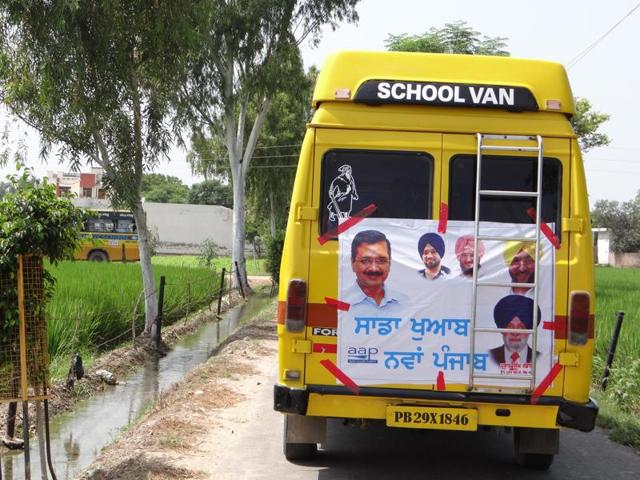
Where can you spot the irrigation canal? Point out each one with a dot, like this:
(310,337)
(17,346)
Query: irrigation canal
(78,436)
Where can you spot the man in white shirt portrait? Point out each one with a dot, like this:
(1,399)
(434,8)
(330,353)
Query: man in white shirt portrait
(371,263)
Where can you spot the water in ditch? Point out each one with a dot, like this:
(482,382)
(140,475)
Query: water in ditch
(77,437)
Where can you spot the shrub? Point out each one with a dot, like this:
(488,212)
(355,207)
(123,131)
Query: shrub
(274,255)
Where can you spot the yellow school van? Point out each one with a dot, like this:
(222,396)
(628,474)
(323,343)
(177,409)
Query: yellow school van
(437,267)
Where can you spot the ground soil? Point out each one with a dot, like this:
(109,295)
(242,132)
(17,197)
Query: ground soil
(170,442)
(123,360)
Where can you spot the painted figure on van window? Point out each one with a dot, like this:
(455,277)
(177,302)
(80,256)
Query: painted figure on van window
(342,193)
(431,250)
(371,263)
(514,311)
(464,254)
(520,260)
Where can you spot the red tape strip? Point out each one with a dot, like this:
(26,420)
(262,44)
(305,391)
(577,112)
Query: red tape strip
(440,385)
(444,217)
(325,348)
(549,325)
(545,383)
(344,306)
(341,376)
(347,224)
(545,229)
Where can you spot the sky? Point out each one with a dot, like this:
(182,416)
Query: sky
(608,74)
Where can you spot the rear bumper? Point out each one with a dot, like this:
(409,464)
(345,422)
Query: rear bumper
(573,415)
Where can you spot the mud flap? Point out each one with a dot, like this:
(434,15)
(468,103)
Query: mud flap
(303,429)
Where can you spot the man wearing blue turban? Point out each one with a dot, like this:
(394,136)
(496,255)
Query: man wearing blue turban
(431,250)
(514,311)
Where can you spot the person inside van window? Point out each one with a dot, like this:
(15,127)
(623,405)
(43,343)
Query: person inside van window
(371,263)
(514,311)
(464,254)
(520,260)
(431,250)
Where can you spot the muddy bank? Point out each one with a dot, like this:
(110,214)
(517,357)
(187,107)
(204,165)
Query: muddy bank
(175,426)
(120,362)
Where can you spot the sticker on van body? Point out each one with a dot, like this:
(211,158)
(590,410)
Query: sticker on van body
(410,292)
(342,193)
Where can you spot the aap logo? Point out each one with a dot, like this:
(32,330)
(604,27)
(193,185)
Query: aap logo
(362,355)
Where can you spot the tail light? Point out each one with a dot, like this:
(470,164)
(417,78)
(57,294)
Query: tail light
(579,318)
(296,317)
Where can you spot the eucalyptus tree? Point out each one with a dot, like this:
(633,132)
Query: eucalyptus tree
(97,80)
(460,38)
(249,54)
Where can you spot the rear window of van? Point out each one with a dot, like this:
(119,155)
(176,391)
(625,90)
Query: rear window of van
(504,173)
(398,183)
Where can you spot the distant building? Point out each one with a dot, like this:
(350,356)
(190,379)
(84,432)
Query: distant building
(601,247)
(82,185)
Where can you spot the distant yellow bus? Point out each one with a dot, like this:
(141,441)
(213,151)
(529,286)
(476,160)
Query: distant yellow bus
(109,235)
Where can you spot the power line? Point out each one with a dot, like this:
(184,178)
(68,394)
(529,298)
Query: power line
(587,50)
(599,159)
(611,171)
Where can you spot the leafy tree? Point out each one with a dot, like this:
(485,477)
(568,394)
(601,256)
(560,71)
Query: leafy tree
(586,123)
(270,183)
(211,192)
(458,37)
(248,56)
(622,219)
(99,79)
(160,188)
(33,220)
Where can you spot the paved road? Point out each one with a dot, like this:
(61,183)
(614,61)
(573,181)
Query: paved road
(380,453)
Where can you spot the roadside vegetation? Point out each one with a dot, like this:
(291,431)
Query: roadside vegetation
(97,306)
(617,289)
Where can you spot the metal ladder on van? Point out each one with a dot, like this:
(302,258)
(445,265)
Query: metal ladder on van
(479,194)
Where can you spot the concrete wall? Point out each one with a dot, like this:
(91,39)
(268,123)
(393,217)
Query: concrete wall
(182,228)
(628,260)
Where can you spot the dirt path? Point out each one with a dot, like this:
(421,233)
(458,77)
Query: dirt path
(191,429)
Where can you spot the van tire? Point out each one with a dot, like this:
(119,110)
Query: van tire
(545,441)
(300,451)
(296,450)
(98,256)
(535,461)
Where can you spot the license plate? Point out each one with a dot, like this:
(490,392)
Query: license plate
(436,418)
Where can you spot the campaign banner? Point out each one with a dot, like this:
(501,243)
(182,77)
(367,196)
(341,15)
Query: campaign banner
(411,302)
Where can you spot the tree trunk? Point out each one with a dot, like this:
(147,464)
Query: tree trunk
(150,294)
(238,252)
(272,214)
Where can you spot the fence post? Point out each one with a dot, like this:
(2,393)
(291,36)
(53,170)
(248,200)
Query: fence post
(124,254)
(160,305)
(240,281)
(612,349)
(221,291)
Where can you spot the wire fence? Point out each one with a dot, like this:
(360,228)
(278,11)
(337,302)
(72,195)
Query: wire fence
(107,328)
(23,341)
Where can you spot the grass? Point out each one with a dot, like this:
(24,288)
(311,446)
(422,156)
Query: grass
(617,289)
(254,266)
(94,303)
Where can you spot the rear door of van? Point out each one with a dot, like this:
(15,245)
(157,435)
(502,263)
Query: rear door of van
(392,174)
(516,171)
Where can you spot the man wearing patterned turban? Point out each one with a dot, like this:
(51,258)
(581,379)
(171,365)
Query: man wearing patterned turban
(464,254)
(514,311)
